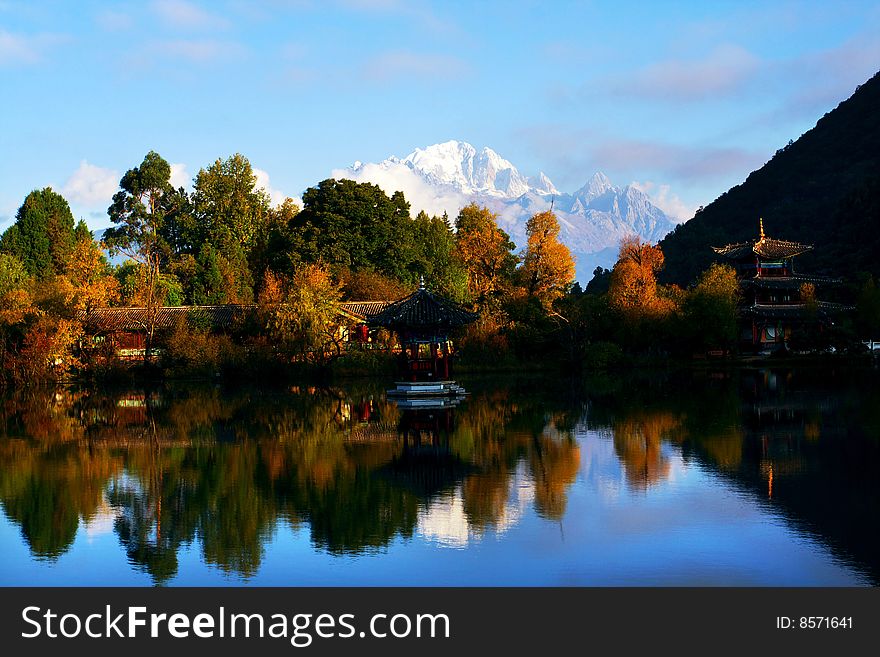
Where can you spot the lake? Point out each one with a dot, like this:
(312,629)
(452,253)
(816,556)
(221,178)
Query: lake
(763,477)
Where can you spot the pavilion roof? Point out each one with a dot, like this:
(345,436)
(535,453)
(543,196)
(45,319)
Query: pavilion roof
(423,310)
(791,311)
(764,247)
(789,282)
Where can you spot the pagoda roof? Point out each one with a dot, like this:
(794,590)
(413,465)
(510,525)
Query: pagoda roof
(796,310)
(788,282)
(766,248)
(763,247)
(423,310)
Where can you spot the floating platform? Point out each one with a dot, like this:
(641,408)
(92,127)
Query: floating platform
(427,393)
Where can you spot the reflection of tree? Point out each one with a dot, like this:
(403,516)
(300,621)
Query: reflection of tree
(637,441)
(224,468)
(47,489)
(554,465)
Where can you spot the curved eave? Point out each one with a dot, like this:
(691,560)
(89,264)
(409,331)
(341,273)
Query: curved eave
(780,249)
(794,311)
(789,282)
(423,311)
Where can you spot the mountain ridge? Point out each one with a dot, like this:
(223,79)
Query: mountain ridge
(593,219)
(820,189)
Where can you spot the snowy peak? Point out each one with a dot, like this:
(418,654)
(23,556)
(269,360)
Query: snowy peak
(459,165)
(541,184)
(594,187)
(446,177)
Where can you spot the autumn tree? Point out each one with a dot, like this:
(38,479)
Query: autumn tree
(301,314)
(485,251)
(633,288)
(140,209)
(548,266)
(90,279)
(42,236)
(369,285)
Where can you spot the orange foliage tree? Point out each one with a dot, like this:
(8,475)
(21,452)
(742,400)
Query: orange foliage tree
(89,281)
(485,251)
(548,266)
(633,289)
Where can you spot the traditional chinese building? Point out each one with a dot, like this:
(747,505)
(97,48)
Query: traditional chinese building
(776,300)
(423,321)
(124,329)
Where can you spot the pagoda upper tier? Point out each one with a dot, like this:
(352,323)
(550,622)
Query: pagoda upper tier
(766,248)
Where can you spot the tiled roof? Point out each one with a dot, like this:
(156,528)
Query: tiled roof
(766,247)
(779,249)
(734,251)
(364,309)
(783,311)
(789,282)
(135,319)
(423,310)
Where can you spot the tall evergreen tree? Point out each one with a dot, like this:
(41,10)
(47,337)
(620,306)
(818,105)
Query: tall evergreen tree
(355,226)
(42,236)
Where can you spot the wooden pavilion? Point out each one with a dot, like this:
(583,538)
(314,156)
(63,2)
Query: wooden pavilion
(423,321)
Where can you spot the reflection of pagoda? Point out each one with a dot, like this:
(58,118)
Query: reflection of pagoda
(426,465)
(423,321)
(774,302)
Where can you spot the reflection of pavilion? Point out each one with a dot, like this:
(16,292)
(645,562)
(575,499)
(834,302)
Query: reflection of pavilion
(425,464)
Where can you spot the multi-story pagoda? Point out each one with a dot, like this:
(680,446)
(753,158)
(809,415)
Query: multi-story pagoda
(775,300)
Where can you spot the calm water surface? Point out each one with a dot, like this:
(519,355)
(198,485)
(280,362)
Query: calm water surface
(763,477)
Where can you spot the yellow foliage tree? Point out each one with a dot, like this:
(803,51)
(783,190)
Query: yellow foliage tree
(89,281)
(633,289)
(485,251)
(548,266)
(302,315)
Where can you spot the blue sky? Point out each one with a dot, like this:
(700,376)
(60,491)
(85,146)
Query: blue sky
(684,98)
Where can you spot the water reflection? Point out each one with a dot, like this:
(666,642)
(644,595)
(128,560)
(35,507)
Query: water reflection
(223,470)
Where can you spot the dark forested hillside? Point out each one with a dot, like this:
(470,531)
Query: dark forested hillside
(822,189)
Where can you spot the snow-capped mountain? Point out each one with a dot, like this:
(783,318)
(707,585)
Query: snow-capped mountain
(447,176)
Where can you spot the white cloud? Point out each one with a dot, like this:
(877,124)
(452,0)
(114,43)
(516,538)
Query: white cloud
(398,177)
(25,48)
(180,176)
(663,198)
(114,21)
(16,49)
(187,15)
(722,71)
(199,50)
(276,196)
(91,185)
(396,64)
